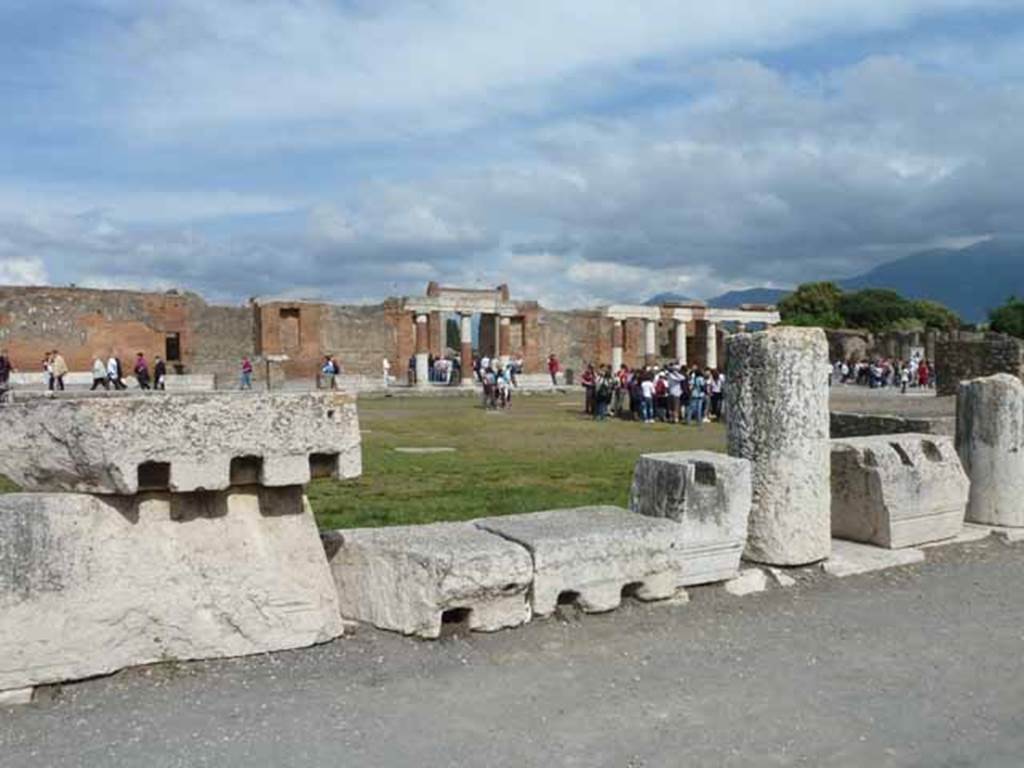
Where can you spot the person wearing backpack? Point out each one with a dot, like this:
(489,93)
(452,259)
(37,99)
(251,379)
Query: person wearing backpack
(695,410)
(603,394)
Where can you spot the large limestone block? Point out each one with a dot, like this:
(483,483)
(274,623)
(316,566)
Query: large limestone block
(181,443)
(708,495)
(777,401)
(897,490)
(411,578)
(990,441)
(590,555)
(89,585)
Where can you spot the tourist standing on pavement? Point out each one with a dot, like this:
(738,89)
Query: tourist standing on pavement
(716,388)
(159,373)
(588,381)
(141,371)
(246,379)
(99,374)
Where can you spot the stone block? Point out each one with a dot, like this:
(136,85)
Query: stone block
(777,402)
(411,579)
(750,581)
(708,495)
(180,443)
(850,558)
(92,584)
(897,490)
(990,441)
(591,555)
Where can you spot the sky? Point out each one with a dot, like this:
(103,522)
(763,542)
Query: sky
(583,152)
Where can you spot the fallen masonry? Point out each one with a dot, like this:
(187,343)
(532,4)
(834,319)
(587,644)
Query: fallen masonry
(990,441)
(412,579)
(90,584)
(591,556)
(897,490)
(184,443)
(708,496)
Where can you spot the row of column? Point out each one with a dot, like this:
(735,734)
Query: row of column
(651,342)
(466,351)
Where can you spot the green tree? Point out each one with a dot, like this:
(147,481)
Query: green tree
(935,315)
(1008,318)
(812,304)
(874,308)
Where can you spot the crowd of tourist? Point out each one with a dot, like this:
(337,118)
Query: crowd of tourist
(672,394)
(915,373)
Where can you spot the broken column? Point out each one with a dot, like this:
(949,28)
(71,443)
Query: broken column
(777,401)
(897,490)
(990,441)
(708,495)
(422,350)
(413,579)
(193,538)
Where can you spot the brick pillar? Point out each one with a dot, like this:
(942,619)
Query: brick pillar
(422,351)
(504,339)
(618,342)
(466,332)
(650,342)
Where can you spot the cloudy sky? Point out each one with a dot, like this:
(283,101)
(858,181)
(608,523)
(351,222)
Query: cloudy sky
(583,151)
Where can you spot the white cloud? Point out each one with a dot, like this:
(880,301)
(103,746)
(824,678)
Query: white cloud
(21,271)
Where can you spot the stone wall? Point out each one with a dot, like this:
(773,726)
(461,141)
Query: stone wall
(843,425)
(973,356)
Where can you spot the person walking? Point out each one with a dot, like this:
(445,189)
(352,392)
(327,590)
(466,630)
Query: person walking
(59,370)
(99,374)
(114,372)
(141,371)
(553,368)
(6,369)
(716,386)
(647,393)
(245,381)
(159,374)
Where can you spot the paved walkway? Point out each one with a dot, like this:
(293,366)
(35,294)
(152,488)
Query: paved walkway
(920,666)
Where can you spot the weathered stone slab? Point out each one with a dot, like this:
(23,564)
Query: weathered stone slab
(897,490)
(777,402)
(850,558)
(409,578)
(990,441)
(708,495)
(180,443)
(589,555)
(90,585)
(750,581)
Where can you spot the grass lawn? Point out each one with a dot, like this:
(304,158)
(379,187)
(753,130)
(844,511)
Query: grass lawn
(542,454)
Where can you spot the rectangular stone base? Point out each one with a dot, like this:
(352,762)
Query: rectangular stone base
(411,579)
(849,558)
(590,556)
(90,585)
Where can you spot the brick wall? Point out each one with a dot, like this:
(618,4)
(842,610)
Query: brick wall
(969,357)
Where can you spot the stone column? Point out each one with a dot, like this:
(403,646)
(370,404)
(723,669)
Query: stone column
(777,405)
(990,441)
(422,351)
(618,338)
(680,326)
(650,342)
(466,332)
(710,345)
(442,331)
(505,339)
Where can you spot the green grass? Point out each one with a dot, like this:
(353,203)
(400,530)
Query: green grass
(543,454)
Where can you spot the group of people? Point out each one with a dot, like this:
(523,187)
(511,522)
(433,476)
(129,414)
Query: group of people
(671,394)
(110,373)
(916,372)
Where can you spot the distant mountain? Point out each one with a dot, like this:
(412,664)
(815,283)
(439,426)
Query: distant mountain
(970,281)
(749,296)
(666,298)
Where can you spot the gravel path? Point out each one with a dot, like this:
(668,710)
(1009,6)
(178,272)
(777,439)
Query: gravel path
(920,666)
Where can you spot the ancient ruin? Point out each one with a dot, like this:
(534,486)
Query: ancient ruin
(990,441)
(778,419)
(897,490)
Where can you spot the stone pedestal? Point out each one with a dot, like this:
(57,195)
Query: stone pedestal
(708,495)
(990,441)
(897,490)
(777,401)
